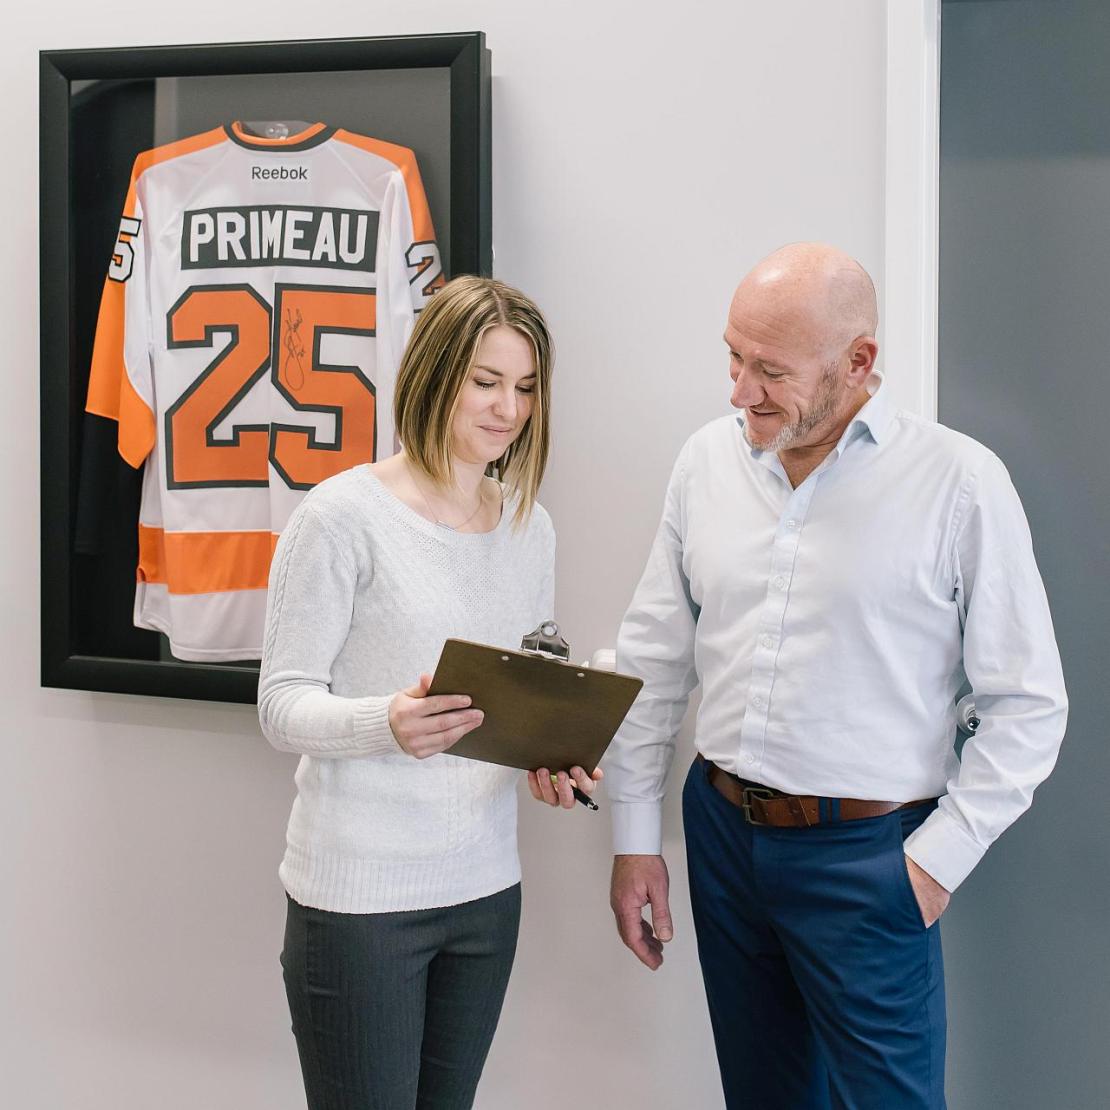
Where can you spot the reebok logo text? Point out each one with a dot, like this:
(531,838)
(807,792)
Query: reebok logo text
(279,173)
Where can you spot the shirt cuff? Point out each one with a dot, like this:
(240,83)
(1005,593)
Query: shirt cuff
(372,732)
(942,849)
(637,828)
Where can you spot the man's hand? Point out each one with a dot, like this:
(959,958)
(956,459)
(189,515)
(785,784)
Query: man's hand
(639,881)
(424,726)
(560,792)
(932,898)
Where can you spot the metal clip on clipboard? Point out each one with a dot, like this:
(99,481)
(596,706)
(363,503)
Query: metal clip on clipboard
(546,642)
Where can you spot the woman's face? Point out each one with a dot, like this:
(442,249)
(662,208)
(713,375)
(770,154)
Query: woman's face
(496,398)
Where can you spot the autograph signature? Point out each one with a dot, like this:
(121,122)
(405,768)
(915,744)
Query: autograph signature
(294,350)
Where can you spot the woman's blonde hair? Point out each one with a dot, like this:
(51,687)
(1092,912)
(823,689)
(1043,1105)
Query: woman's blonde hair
(435,366)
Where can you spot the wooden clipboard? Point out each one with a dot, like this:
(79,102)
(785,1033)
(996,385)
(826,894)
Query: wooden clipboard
(540,712)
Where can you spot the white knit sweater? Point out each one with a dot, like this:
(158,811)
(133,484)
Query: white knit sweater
(363,592)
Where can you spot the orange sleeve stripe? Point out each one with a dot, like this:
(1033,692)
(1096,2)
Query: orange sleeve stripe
(168,151)
(405,161)
(205,562)
(107,360)
(165,153)
(111,393)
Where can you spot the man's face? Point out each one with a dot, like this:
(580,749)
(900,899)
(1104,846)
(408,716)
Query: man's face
(790,390)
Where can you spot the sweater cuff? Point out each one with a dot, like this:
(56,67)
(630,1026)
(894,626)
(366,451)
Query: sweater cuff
(637,828)
(942,849)
(372,732)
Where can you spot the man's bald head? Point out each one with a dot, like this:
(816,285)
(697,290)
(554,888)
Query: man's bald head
(815,288)
(801,339)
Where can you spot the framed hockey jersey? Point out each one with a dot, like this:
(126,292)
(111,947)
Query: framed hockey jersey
(259,297)
(270,248)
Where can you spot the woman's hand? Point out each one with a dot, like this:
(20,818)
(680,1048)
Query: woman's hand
(425,726)
(561,791)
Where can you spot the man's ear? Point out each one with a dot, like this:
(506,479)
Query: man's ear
(861,359)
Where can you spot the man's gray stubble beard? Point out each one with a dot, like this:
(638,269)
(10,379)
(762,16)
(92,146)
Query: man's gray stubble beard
(824,405)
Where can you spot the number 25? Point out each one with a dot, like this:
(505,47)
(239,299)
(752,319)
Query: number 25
(285,341)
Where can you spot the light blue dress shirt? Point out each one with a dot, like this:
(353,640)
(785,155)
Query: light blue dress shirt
(831,627)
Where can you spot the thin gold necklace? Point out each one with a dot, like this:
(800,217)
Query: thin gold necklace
(432,512)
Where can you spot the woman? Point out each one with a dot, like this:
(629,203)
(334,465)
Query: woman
(401,868)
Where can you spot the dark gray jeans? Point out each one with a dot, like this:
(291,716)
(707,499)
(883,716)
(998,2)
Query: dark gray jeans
(396,1011)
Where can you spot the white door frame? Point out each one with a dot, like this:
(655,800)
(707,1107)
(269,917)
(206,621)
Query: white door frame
(910,257)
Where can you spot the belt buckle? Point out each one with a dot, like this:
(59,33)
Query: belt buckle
(747,796)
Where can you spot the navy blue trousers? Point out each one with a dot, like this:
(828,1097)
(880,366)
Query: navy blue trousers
(825,989)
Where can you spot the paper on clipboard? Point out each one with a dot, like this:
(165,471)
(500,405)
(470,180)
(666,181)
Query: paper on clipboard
(539,711)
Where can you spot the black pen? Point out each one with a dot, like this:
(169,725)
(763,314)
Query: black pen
(584,798)
(579,795)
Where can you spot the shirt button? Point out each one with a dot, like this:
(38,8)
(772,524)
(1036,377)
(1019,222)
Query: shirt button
(767,641)
(749,759)
(791,523)
(780,583)
(757,702)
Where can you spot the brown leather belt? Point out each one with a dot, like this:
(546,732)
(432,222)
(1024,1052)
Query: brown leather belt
(761,805)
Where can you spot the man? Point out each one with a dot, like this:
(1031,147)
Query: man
(831,571)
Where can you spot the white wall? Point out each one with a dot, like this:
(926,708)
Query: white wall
(643,160)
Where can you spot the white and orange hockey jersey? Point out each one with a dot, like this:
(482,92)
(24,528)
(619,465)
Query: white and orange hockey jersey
(257,303)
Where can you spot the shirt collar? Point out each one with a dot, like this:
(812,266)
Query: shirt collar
(877,412)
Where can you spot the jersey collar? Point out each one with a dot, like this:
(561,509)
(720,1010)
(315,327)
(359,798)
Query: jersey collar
(311,136)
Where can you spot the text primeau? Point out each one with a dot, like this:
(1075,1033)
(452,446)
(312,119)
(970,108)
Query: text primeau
(279,235)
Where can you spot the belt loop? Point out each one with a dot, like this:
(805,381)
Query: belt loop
(822,809)
(834,805)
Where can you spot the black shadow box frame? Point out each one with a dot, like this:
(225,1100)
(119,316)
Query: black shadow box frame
(96,113)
